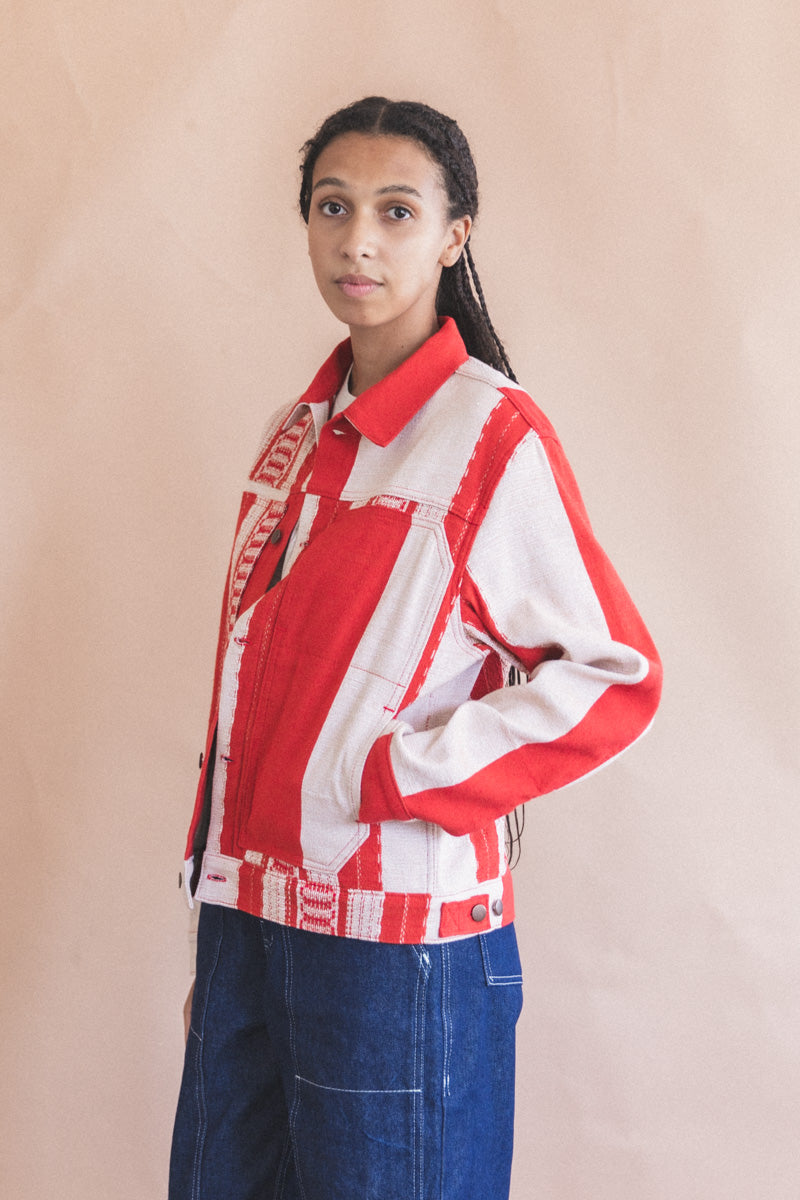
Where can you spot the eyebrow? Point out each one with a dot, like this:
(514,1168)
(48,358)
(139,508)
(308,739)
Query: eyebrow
(404,188)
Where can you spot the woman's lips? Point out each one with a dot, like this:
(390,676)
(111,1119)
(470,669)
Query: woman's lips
(357,285)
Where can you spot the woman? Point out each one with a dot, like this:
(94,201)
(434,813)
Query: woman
(411,533)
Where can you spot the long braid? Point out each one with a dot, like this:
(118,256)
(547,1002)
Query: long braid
(461,296)
(476,284)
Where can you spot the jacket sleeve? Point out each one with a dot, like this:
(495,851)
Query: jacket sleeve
(541,592)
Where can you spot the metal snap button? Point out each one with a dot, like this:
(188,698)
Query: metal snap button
(479,912)
(497,908)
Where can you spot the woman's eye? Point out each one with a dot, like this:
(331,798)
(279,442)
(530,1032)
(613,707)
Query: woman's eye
(331,208)
(399,212)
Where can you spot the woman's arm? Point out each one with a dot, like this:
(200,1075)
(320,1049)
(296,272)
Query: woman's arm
(543,595)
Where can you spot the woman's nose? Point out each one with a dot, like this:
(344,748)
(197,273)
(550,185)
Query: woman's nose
(358,240)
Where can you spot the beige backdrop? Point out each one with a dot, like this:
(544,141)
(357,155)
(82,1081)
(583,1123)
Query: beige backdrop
(639,248)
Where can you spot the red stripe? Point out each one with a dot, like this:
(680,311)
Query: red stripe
(363,870)
(621,714)
(490,677)
(508,898)
(457,919)
(303,472)
(259,631)
(622,618)
(334,458)
(405,917)
(487,853)
(250,896)
(323,606)
(534,417)
(501,434)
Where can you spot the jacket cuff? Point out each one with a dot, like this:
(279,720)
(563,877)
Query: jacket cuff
(380,795)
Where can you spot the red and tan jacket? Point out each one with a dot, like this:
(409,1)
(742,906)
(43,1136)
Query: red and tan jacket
(366,751)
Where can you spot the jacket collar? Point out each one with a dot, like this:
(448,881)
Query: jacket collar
(383,410)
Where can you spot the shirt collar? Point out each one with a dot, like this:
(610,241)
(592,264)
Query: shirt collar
(382,411)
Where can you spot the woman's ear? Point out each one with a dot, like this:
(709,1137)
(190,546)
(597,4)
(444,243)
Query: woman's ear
(459,231)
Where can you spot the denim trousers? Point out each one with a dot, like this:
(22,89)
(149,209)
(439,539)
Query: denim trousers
(326,1068)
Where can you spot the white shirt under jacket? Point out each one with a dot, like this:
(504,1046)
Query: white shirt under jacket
(366,749)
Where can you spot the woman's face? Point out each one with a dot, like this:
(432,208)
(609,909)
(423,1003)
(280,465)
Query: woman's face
(379,235)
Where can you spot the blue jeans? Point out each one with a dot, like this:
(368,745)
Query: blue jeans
(325,1068)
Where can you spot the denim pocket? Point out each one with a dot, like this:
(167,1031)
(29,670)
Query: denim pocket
(501,964)
(357,1143)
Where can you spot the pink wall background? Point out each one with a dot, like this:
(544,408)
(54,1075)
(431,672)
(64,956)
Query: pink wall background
(639,249)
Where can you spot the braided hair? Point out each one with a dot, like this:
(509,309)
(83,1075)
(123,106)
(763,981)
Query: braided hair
(460,294)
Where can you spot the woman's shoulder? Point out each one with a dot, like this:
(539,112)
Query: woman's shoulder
(507,392)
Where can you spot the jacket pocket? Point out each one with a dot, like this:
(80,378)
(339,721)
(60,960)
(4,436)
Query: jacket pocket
(500,953)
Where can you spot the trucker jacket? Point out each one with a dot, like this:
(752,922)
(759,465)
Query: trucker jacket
(362,750)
